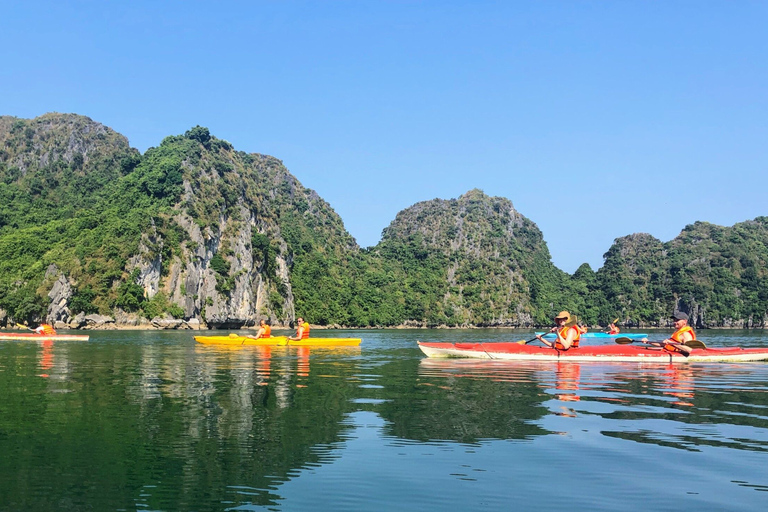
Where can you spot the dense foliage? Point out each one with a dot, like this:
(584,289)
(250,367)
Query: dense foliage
(146,234)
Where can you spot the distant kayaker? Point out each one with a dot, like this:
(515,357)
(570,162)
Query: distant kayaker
(568,333)
(45,329)
(683,332)
(612,329)
(265,330)
(302,330)
(583,329)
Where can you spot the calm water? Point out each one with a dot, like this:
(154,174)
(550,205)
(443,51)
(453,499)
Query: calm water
(136,420)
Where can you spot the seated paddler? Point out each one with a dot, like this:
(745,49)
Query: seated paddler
(568,333)
(302,330)
(265,330)
(45,329)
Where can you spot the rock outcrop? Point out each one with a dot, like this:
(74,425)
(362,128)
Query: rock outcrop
(60,294)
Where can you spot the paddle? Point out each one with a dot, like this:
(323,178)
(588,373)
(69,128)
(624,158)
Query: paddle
(25,327)
(689,344)
(683,348)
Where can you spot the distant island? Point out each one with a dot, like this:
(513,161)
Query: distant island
(195,234)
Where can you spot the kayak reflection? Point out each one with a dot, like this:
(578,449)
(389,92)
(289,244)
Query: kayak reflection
(567,377)
(46,357)
(261,358)
(635,395)
(680,384)
(52,360)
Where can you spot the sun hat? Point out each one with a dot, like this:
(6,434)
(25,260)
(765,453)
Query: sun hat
(563,314)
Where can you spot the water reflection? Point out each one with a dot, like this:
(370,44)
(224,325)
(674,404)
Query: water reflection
(467,401)
(163,423)
(46,357)
(52,360)
(708,398)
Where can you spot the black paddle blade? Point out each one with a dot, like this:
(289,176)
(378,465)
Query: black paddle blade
(624,340)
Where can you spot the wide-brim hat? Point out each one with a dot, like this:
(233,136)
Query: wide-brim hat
(563,314)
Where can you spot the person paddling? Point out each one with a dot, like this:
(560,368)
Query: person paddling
(265,330)
(568,333)
(302,330)
(45,329)
(612,329)
(683,340)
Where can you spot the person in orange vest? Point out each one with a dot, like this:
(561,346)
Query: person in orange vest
(265,330)
(612,329)
(568,333)
(683,332)
(583,329)
(45,329)
(302,330)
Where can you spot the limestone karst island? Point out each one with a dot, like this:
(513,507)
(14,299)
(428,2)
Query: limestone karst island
(196,234)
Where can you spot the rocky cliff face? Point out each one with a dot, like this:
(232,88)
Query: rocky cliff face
(61,160)
(219,253)
(481,254)
(32,145)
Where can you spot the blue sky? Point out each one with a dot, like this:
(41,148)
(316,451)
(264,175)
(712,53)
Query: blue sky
(597,119)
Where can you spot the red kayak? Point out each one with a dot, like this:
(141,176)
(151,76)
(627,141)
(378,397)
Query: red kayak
(518,352)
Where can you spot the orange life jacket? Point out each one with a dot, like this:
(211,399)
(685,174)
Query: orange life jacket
(563,333)
(678,334)
(305,334)
(47,330)
(267,331)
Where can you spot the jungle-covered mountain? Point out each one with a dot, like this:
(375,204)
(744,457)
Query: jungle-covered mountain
(196,231)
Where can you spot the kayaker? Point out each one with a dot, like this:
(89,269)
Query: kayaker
(568,333)
(612,329)
(583,329)
(302,330)
(45,329)
(683,332)
(265,330)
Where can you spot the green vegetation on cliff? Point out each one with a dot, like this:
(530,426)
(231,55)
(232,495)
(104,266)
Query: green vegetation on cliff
(718,274)
(195,229)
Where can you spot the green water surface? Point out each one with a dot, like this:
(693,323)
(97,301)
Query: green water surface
(137,420)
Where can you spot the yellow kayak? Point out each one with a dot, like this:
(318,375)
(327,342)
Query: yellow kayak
(234,339)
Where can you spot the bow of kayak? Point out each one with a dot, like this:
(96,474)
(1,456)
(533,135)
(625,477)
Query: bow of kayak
(234,339)
(627,353)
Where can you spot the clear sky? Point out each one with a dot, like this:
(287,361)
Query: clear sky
(598,119)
